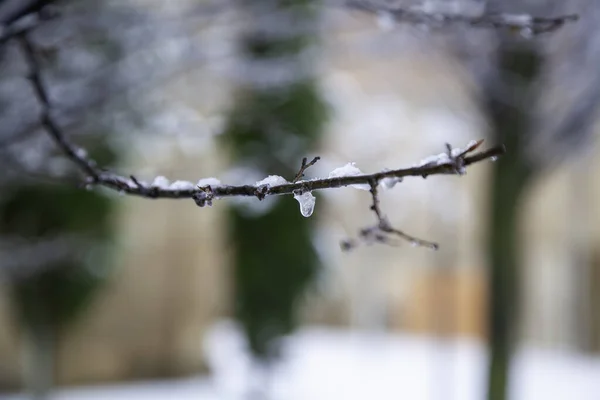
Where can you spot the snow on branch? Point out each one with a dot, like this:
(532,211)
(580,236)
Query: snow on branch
(527,25)
(452,162)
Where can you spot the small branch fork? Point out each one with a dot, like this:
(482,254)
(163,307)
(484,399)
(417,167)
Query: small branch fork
(304,167)
(204,195)
(383,231)
(527,25)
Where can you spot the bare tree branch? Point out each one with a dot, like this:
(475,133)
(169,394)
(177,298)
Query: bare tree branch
(527,25)
(383,231)
(453,162)
(97,176)
(47,120)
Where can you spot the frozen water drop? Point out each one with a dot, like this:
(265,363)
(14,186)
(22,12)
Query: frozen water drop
(307,203)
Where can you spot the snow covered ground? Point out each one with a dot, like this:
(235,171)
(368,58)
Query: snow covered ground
(323,363)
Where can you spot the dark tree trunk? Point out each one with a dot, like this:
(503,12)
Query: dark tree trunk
(511,124)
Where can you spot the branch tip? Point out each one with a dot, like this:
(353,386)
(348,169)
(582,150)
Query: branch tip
(304,167)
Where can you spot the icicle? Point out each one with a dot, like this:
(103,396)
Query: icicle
(307,203)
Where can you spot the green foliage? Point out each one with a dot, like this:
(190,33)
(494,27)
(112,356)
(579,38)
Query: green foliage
(56,292)
(266,121)
(275,263)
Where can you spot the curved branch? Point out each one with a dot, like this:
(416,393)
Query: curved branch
(453,162)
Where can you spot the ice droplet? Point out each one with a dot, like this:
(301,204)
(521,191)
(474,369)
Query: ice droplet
(307,203)
(493,158)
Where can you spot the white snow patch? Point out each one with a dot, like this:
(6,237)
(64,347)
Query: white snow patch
(209,182)
(272,180)
(182,185)
(444,158)
(324,363)
(349,169)
(160,182)
(517,19)
(438,159)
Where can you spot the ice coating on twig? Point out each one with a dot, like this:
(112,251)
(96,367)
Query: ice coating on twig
(208,182)
(448,157)
(349,169)
(182,185)
(388,183)
(307,203)
(272,180)
(160,182)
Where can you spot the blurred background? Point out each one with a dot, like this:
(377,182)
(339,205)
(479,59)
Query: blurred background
(104,296)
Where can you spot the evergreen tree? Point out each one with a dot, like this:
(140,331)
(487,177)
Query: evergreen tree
(276,120)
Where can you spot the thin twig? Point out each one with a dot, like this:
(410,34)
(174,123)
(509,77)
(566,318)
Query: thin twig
(382,231)
(77,155)
(304,167)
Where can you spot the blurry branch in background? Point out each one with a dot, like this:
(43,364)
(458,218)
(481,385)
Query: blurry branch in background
(153,49)
(526,25)
(20,16)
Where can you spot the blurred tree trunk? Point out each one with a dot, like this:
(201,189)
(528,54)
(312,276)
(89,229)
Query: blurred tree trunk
(40,360)
(511,121)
